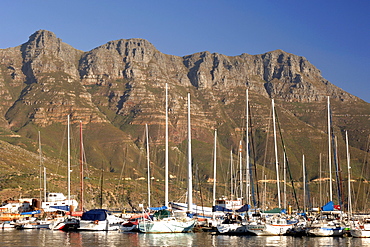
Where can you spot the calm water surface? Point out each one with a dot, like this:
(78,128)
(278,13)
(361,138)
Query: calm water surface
(58,238)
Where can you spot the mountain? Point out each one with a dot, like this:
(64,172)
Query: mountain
(117,88)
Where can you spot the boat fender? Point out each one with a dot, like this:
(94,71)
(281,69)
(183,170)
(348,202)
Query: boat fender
(96,222)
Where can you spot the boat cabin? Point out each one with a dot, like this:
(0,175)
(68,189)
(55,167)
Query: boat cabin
(229,204)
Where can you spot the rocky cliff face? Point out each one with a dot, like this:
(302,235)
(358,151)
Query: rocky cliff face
(117,88)
(133,72)
(122,83)
(45,53)
(276,74)
(126,69)
(45,74)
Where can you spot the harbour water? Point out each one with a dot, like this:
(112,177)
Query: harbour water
(50,238)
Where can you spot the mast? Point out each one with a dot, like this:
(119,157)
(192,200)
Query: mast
(190,177)
(338,171)
(240,169)
(40,155)
(264,193)
(45,184)
(349,179)
(287,166)
(284,163)
(276,154)
(304,183)
(166,154)
(248,171)
(214,173)
(148,161)
(231,175)
(320,185)
(329,155)
(101,186)
(69,164)
(81,170)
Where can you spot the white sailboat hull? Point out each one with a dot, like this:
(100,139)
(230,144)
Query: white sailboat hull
(325,231)
(131,228)
(232,229)
(362,231)
(34,225)
(268,229)
(359,233)
(168,225)
(103,225)
(199,210)
(99,220)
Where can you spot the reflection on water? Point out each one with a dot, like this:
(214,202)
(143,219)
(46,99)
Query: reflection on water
(169,239)
(275,241)
(363,242)
(90,239)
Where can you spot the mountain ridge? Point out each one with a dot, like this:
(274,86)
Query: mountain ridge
(118,87)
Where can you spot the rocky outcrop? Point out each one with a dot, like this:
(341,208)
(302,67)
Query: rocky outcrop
(11,80)
(45,53)
(276,74)
(134,59)
(46,70)
(135,62)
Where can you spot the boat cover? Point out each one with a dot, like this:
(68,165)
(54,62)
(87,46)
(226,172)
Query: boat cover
(95,214)
(161,214)
(328,207)
(220,209)
(273,211)
(158,208)
(245,208)
(32,212)
(63,208)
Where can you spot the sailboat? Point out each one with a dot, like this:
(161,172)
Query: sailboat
(276,225)
(57,201)
(234,224)
(208,213)
(230,225)
(362,229)
(72,223)
(92,220)
(178,221)
(99,219)
(133,222)
(219,206)
(327,224)
(53,201)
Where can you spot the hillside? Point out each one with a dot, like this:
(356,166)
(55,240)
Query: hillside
(117,88)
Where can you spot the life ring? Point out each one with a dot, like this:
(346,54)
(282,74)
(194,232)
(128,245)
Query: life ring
(96,222)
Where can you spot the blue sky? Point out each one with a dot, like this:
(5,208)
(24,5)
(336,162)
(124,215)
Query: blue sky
(333,35)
